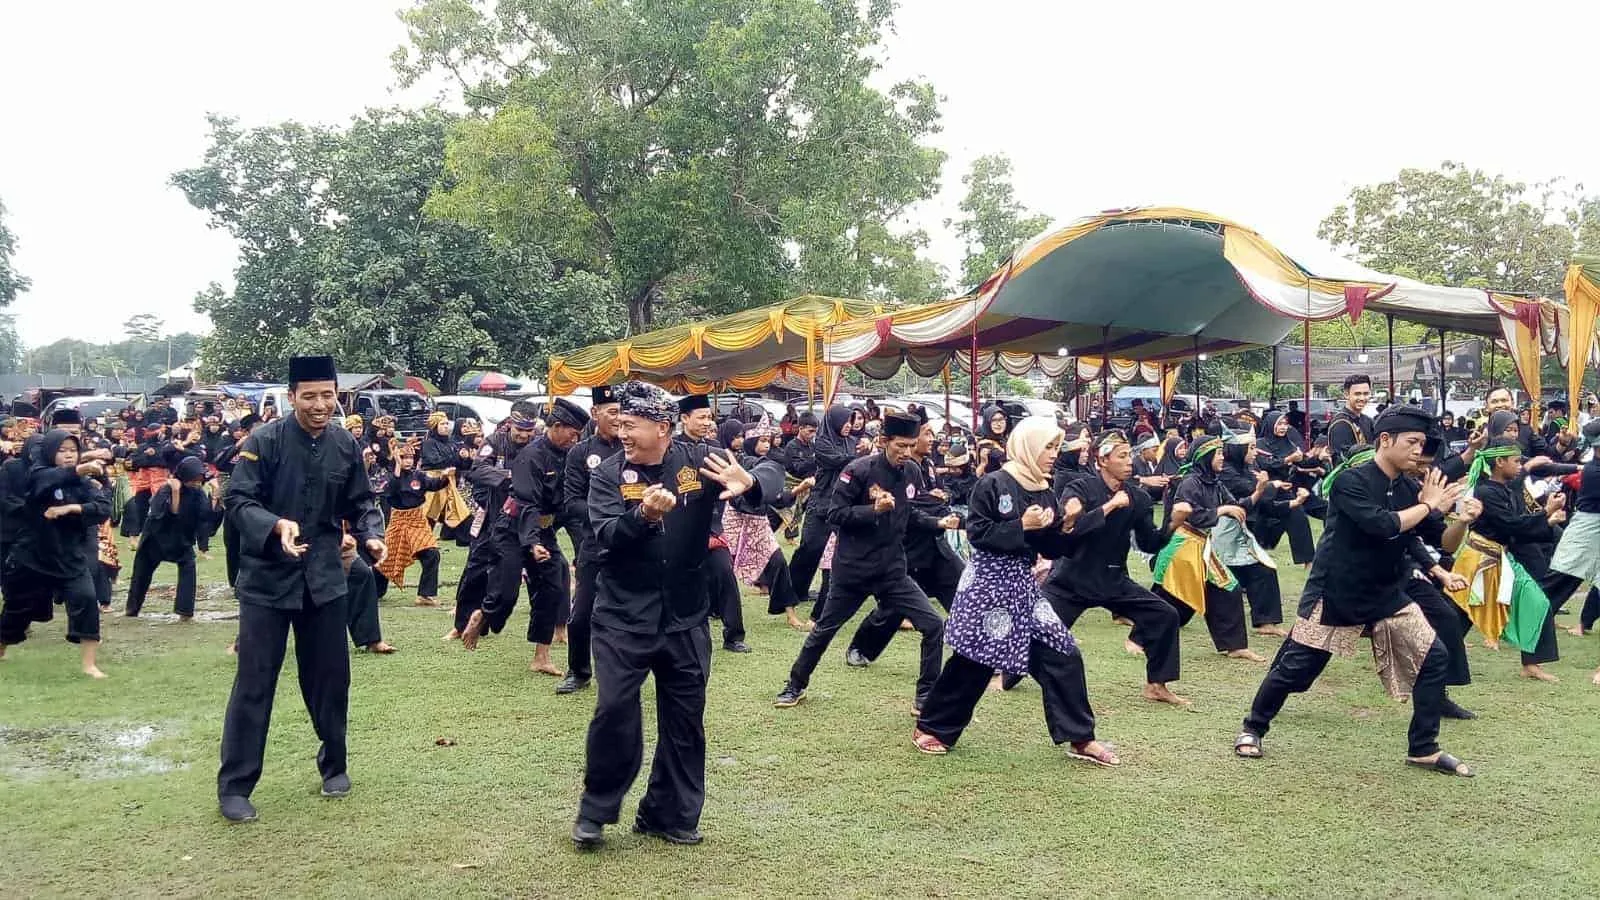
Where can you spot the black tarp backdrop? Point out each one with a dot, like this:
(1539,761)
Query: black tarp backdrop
(1413,363)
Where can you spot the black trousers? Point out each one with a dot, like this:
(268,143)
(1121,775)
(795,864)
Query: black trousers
(723,586)
(547,584)
(230,549)
(1224,616)
(1155,623)
(963,682)
(361,596)
(1260,587)
(578,626)
(30,597)
(474,583)
(1557,587)
(1297,526)
(1297,666)
(145,562)
(427,584)
(681,664)
(781,594)
(1591,610)
(1450,625)
(808,554)
(938,581)
(134,514)
(900,598)
(323,665)
(105,578)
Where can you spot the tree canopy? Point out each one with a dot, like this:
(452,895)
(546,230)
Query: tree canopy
(994,223)
(338,256)
(700,157)
(12,282)
(1461,227)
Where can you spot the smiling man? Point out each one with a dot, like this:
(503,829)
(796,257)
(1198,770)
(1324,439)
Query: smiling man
(296,487)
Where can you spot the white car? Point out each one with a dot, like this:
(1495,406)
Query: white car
(489,411)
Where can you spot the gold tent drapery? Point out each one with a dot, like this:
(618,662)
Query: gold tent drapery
(1582,288)
(744,351)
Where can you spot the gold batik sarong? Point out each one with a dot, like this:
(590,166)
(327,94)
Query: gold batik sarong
(1479,561)
(1399,644)
(409,533)
(446,505)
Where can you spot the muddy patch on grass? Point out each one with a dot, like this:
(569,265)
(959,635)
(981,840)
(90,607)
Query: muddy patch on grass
(88,750)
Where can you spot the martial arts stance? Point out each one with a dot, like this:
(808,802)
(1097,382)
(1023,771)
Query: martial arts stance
(1103,511)
(999,619)
(525,540)
(53,552)
(297,485)
(180,512)
(410,535)
(1358,582)
(582,460)
(651,509)
(490,478)
(871,505)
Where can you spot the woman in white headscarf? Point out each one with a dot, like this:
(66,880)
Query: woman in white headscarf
(1000,619)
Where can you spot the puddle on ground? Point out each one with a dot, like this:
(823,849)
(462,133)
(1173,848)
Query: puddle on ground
(82,751)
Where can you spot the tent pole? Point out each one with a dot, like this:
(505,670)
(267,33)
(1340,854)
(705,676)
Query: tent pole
(972,368)
(1488,378)
(1194,412)
(1444,384)
(1393,398)
(1307,367)
(1105,376)
(1272,393)
(947,394)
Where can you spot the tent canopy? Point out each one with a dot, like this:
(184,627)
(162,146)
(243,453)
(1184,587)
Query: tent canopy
(746,350)
(1155,284)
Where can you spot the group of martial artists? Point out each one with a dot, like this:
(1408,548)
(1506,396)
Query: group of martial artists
(1422,540)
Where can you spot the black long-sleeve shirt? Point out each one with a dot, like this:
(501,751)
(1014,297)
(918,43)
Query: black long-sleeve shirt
(536,494)
(410,489)
(1349,430)
(173,535)
(651,578)
(1095,565)
(585,456)
(872,544)
(58,547)
(1507,520)
(800,458)
(1364,558)
(994,519)
(319,482)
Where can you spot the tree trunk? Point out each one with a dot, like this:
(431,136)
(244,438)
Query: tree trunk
(641,312)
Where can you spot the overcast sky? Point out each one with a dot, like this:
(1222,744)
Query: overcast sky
(1264,113)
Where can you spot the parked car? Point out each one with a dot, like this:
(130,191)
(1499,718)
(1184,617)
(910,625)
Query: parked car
(95,406)
(489,411)
(409,408)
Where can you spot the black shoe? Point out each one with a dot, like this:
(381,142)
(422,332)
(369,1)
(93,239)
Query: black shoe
(736,647)
(587,835)
(336,786)
(236,809)
(1454,710)
(789,696)
(687,837)
(856,659)
(572,684)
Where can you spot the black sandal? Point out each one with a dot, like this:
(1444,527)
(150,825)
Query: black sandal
(1247,740)
(1444,765)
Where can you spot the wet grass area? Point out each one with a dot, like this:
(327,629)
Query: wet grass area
(467,771)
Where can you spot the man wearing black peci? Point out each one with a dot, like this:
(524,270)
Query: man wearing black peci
(296,486)
(872,505)
(583,459)
(651,507)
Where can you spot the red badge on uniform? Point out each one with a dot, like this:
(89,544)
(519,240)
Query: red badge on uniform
(416,485)
(844,477)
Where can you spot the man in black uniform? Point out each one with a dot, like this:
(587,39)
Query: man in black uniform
(1351,428)
(1358,583)
(800,454)
(1103,510)
(490,478)
(872,504)
(727,602)
(651,508)
(585,457)
(930,560)
(296,486)
(525,539)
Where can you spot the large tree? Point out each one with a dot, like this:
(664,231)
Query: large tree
(338,256)
(700,156)
(12,282)
(1462,227)
(993,222)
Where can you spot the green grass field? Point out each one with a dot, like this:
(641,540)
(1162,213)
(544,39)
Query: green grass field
(467,771)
